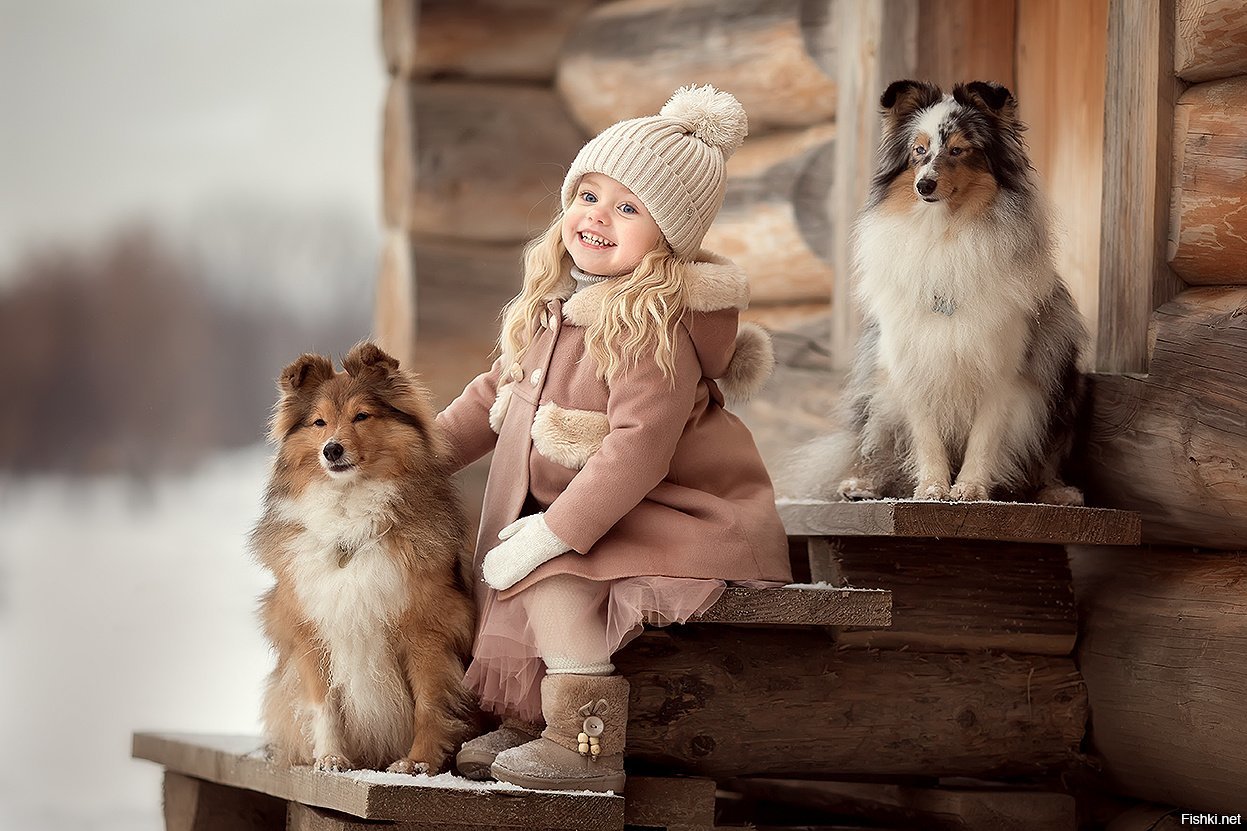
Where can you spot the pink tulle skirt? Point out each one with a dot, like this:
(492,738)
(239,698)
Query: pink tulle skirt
(507,669)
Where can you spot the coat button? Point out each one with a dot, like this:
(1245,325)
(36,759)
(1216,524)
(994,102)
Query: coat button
(535,377)
(545,321)
(516,372)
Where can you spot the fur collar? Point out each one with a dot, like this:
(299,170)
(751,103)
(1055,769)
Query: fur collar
(712,283)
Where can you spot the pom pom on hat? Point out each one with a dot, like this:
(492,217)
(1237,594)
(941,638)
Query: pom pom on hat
(715,117)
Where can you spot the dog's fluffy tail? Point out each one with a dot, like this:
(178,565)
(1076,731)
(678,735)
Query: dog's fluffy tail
(814,470)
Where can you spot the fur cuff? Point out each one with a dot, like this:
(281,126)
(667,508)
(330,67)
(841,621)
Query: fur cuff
(751,365)
(569,701)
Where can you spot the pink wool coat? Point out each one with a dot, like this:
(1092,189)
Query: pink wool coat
(638,477)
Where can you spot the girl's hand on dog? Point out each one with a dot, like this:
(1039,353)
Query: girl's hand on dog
(526,543)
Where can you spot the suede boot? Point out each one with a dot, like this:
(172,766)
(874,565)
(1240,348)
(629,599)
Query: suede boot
(474,758)
(582,747)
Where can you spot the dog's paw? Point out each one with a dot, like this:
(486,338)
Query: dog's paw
(854,489)
(333,763)
(1060,495)
(930,489)
(408,766)
(968,492)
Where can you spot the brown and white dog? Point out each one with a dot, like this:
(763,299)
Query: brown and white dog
(966,384)
(370,615)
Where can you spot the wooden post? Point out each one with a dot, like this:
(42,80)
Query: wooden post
(878,44)
(196,805)
(1140,90)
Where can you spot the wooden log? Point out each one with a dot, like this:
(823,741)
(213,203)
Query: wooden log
(496,40)
(235,762)
(878,44)
(486,160)
(1208,237)
(198,805)
(1211,39)
(902,806)
(722,702)
(399,19)
(394,310)
(1061,46)
(775,56)
(956,595)
(1140,90)
(774,221)
(999,521)
(1148,818)
(1164,654)
(1173,445)
(460,291)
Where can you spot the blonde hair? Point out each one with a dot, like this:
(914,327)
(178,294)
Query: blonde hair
(639,313)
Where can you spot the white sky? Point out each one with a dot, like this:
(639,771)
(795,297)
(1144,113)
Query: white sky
(148,108)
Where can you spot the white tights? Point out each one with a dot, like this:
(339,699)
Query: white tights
(568,618)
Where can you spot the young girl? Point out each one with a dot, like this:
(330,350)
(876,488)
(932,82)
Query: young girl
(620,491)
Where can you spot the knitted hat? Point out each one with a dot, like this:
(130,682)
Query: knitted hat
(674,161)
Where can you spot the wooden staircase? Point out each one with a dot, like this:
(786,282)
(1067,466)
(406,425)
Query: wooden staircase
(954,662)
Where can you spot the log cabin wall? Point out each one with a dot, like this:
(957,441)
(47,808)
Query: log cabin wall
(1163,630)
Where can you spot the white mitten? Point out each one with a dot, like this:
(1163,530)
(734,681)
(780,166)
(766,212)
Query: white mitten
(526,543)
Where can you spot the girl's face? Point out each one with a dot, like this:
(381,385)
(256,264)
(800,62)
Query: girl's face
(606,228)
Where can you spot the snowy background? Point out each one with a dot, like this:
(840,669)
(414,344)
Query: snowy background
(230,149)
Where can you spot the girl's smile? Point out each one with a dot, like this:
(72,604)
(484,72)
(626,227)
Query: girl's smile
(606,229)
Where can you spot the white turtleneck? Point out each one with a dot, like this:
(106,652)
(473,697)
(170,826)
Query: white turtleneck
(583,280)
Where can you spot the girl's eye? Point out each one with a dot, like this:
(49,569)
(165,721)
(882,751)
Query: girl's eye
(588,197)
(320,422)
(628,208)
(360,416)
(955,151)
(919,150)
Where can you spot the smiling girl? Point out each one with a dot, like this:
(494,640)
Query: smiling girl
(620,491)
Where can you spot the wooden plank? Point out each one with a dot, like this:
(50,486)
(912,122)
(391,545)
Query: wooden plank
(196,805)
(957,595)
(1061,48)
(966,40)
(948,809)
(878,44)
(774,221)
(238,762)
(1211,39)
(805,606)
(1140,89)
(775,56)
(663,802)
(1001,521)
(1164,652)
(731,701)
(1208,237)
(501,40)
(1173,445)
(307,818)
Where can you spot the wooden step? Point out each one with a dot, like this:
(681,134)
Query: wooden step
(440,801)
(1002,521)
(801,605)
(230,777)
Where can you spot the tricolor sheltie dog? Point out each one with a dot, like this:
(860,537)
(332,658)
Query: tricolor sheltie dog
(369,616)
(966,383)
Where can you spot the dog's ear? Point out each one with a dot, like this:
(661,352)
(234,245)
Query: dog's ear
(988,96)
(904,98)
(367,358)
(305,374)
